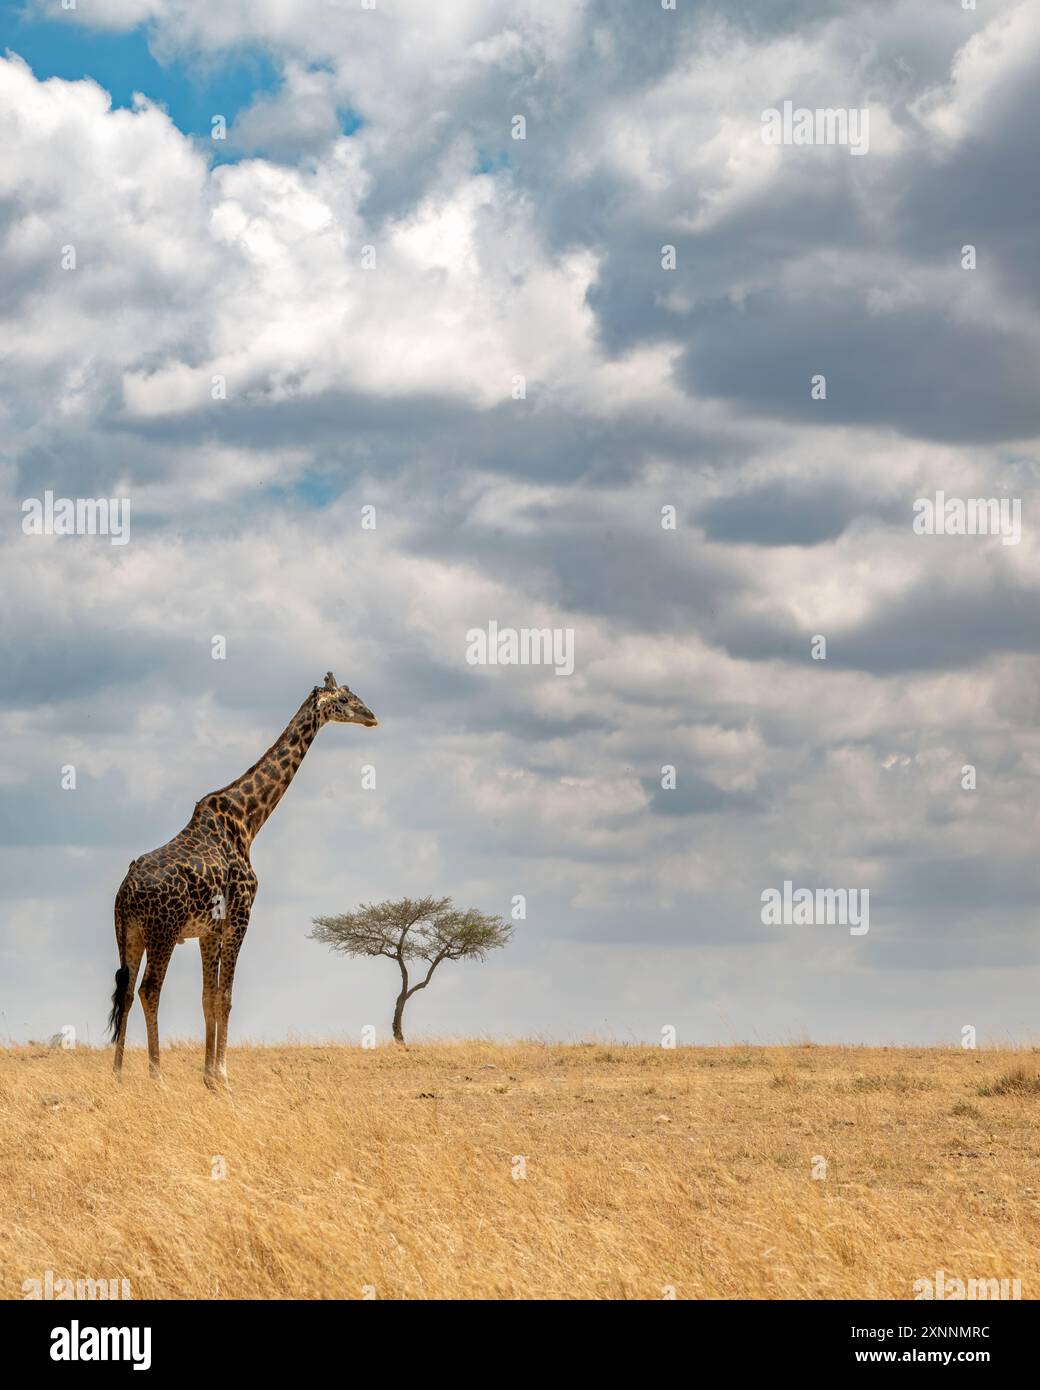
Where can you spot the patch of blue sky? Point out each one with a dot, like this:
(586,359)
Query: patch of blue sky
(192,90)
(312,489)
(492,163)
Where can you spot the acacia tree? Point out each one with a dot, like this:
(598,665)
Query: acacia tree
(409,930)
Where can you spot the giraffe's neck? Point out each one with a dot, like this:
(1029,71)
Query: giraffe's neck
(251,798)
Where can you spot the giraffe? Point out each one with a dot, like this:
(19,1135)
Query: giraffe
(201,884)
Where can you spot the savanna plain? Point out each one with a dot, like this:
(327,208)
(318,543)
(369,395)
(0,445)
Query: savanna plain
(474,1169)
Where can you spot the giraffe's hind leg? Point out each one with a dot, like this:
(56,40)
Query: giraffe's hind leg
(151,986)
(134,952)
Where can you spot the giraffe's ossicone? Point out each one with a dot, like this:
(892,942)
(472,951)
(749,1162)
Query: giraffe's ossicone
(201,884)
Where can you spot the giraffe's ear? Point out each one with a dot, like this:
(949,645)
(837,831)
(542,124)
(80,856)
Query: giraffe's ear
(330,681)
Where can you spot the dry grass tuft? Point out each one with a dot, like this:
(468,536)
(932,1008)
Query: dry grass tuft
(392,1170)
(1017,1082)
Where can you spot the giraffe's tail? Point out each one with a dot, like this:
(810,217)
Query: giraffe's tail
(115,1018)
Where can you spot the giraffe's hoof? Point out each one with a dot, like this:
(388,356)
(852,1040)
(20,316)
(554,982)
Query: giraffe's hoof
(210,1080)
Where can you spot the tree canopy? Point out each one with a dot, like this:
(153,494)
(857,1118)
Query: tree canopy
(412,929)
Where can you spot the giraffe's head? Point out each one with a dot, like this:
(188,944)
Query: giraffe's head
(338,705)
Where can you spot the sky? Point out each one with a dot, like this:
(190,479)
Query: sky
(574,378)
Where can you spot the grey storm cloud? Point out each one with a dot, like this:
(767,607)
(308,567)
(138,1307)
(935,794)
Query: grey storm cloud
(905,370)
(697,797)
(934,627)
(779,513)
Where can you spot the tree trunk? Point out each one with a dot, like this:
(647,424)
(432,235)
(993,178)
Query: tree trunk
(398,1015)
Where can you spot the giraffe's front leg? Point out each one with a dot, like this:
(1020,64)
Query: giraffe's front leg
(209,946)
(233,934)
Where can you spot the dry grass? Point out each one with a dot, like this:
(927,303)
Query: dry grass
(645,1169)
